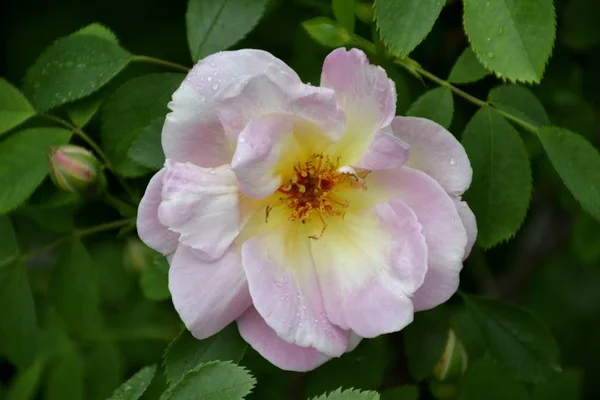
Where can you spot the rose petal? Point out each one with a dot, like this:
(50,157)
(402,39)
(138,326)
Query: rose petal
(436,152)
(386,151)
(280,353)
(192,131)
(208,295)
(468,219)
(285,290)
(366,95)
(444,232)
(150,230)
(201,204)
(369,265)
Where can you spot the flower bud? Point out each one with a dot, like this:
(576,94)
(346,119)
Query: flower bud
(75,169)
(364,12)
(453,363)
(326,32)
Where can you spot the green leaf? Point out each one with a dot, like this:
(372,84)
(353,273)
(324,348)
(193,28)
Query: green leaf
(215,381)
(73,290)
(515,338)
(18,330)
(467,68)
(486,379)
(103,369)
(424,341)
(25,163)
(401,393)
(501,188)
(326,32)
(147,149)
(343,11)
(72,68)
(136,385)
(25,385)
(131,108)
(154,280)
(349,394)
(98,30)
(186,352)
(65,378)
(363,367)
(82,111)
(9,249)
(566,385)
(215,25)
(403,24)
(578,164)
(435,104)
(520,102)
(14,107)
(513,38)
(115,282)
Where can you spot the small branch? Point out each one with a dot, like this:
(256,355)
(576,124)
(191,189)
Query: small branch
(77,233)
(164,63)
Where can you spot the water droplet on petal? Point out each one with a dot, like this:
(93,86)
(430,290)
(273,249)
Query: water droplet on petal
(212,64)
(215,86)
(212,171)
(242,140)
(202,99)
(209,78)
(452,161)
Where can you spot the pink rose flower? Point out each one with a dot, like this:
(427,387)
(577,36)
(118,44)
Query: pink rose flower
(312,216)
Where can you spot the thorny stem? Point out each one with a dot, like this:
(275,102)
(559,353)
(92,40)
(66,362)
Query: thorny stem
(164,63)
(78,233)
(90,142)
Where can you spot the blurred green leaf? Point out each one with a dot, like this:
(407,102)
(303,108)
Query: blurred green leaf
(135,386)
(18,330)
(566,385)
(147,149)
(435,104)
(115,283)
(585,239)
(469,333)
(513,38)
(349,394)
(14,107)
(486,379)
(65,378)
(579,28)
(127,113)
(9,249)
(154,280)
(403,24)
(72,68)
(343,11)
(401,393)
(467,68)
(501,189)
(578,164)
(25,385)
(215,25)
(326,32)
(73,290)
(25,163)
(103,370)
(424,341)
(363,368)
(515,338)
(186,352)
(520,102)
(213,380)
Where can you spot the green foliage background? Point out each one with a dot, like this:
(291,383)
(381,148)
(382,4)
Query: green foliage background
(84,307)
